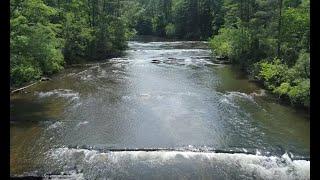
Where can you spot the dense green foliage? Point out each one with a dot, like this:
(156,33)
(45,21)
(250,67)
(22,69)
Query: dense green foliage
(183,19)
(47,34)
(267,38)
(270,40)
(34,46)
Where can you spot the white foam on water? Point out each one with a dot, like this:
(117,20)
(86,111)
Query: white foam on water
(87,77)
(258,152)
(261,167)
(186,93)
(225,100)
(169,52)
(261,92)
(244,150)
(126,97)
(71,74)
(72,175)
(77,105)
(64,93)
(145,96)
(55,125)
(116,71)
(45,94)
(82,123)
(233,94)
(159,95)
(199,61)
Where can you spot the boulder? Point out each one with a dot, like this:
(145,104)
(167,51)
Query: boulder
(155,61)
(45,79)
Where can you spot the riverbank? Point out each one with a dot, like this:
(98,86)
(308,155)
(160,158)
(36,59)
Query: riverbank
(285,100)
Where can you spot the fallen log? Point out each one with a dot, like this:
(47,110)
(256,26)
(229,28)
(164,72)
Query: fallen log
(20,89)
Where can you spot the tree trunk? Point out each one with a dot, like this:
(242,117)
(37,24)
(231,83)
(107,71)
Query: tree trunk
(279,28)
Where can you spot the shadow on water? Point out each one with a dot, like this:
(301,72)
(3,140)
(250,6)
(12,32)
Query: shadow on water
(28,119)
(29,111)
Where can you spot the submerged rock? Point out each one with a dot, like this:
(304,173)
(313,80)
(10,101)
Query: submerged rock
(45,79)
(221,57)
(261,93)
(155,61)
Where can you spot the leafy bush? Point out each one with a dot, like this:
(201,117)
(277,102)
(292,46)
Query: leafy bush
(273,73)
(287,82)
(300,94)
(302,65)
(170,30)
(24,72)
(231,42)
(222,44)
(283,89)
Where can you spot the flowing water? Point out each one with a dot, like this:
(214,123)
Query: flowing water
(166,110)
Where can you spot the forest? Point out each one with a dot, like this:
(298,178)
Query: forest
(268,39)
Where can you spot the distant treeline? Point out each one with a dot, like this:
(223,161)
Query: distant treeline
(182,19)
(268,38)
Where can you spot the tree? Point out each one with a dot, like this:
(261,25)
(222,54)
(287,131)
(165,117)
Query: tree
(46,34)
(280,60)
(35,48)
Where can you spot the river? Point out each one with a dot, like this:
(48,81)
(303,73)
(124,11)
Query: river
(165,110)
